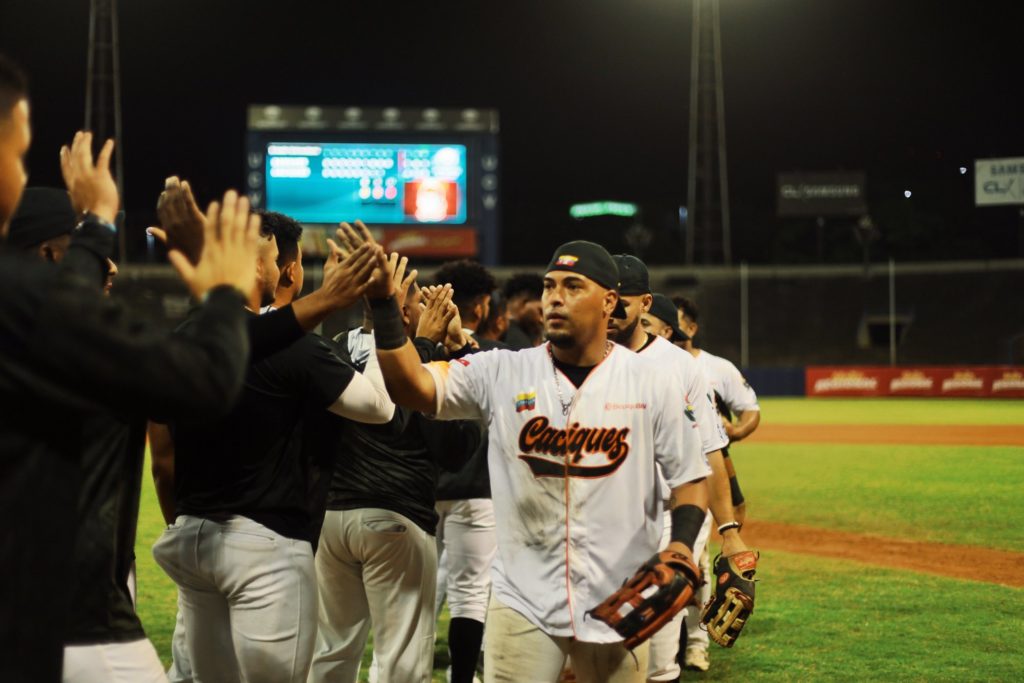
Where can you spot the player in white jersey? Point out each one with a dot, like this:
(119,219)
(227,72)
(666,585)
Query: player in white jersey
(577,430)
(733,396)
(681,371)
(734,393)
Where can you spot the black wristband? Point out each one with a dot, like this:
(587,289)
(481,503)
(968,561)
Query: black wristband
(388,328)
(465,350)
(686,523)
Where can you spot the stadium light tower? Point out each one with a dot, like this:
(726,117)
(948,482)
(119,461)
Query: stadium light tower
(103,91)
(707,189)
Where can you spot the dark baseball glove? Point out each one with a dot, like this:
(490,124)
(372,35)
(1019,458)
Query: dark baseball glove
(650,598)
(727,611)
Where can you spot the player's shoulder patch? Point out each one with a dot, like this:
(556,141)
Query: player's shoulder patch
(462,361)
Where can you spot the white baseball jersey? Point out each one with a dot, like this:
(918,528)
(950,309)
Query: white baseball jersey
(576,499)
(726,379)
(700,402)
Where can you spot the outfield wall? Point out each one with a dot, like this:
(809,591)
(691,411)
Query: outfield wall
(967,313)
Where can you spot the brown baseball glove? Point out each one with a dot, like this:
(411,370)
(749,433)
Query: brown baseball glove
(730,607)
(650,598)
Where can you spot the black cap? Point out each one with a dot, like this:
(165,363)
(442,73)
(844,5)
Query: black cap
(44,213)
(664,310)
(592,261)
(633,278)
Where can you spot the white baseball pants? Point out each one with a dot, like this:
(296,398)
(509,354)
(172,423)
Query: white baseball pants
(248,598)
(467,536)
(131,662)
(663,665)
(181,665)
(517,651)
(375,566)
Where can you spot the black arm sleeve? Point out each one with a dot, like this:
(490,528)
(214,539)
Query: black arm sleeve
(427,349)
(86,258)
(273,331)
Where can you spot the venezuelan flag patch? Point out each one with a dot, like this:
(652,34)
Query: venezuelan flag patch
(526,401)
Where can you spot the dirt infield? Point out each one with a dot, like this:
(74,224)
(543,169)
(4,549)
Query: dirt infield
(946,435)
(958,561)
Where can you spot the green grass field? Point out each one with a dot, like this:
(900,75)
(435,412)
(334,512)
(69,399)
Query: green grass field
(824,619)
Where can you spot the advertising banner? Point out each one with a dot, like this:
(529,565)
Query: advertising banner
(839,193)
(924,381)
(998,181)
(430,242)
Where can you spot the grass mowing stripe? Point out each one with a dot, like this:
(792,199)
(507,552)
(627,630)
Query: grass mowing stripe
(819,619)
(908,411)
(949,494)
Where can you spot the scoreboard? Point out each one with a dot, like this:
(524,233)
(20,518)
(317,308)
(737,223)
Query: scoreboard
(425,179)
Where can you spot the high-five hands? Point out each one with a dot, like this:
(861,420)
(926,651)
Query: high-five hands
(382,284)
(347,273)
(437,311)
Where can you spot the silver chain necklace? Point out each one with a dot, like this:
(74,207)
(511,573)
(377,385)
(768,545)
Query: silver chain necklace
(558,383)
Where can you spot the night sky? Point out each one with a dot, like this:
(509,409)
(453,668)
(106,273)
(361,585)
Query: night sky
(593,97)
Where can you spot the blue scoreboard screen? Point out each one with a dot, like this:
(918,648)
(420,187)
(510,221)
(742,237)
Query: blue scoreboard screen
(379,183)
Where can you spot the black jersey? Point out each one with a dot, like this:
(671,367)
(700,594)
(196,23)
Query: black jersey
(394,466)
(250,463)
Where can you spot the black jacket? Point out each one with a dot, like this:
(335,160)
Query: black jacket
(68,354)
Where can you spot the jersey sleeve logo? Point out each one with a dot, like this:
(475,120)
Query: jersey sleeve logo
(526,400)
(573,449)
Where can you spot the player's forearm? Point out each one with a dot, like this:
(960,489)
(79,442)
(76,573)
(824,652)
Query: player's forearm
(311,309)
(409,384)
(745,425)
(688,506)
(719,493)
(161,450)
(720,503)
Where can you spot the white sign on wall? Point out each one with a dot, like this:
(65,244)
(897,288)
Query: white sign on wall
(998,181)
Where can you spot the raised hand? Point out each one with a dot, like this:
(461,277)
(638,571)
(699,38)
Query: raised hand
(181,220)
(396,268)
(437,313)
(382,284)
(456,337)
(91,186)
(230,238)
(347,277)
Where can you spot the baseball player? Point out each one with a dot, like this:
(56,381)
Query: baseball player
(637,299)
(240,548)
(733,393)
(666,321)
(378,555)
(577,427)
(466,530)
